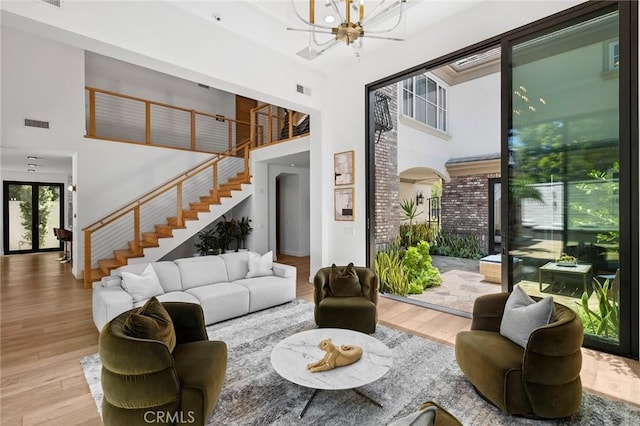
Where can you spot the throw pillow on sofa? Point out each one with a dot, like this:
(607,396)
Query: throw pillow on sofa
(522,315)
(344,282)
(142,287)
(151,321)
(260,266)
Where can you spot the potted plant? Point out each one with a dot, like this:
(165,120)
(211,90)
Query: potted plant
(244,229)
(225,229)
(566,260)
(209,243)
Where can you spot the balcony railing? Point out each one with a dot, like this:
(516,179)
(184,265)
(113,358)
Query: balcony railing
(271,124)
(124,118)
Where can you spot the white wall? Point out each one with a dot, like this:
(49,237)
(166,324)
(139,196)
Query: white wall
(474,116)
(111,74)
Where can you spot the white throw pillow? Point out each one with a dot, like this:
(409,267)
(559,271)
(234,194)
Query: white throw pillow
(142,287)
(260,266)
(522,315)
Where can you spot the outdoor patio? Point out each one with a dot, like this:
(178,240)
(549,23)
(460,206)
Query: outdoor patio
(462,283)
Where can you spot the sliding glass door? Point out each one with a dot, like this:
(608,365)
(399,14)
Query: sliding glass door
(565,171)
(32,211)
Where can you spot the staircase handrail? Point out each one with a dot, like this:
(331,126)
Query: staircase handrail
(175,183)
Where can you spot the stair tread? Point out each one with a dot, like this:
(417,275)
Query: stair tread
(151,239)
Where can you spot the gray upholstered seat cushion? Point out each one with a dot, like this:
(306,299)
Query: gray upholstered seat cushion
(222,301)
(267,291)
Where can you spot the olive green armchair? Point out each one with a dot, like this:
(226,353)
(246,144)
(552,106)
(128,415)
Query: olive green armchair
(144,381)
(541,380)
(354,307)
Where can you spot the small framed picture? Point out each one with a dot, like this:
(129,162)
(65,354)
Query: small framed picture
(343,168)
(343,202)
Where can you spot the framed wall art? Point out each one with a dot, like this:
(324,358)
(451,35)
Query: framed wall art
(343,203)
(343,168)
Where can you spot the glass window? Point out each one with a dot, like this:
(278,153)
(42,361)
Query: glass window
(426,103)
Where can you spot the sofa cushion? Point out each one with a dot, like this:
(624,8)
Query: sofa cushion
(174,296)
(202,270)
(142,286)
(167,273)
(344,282)
(260,266)
(221,301)
(522,315)
(151,321)
(268,291)
(237,264)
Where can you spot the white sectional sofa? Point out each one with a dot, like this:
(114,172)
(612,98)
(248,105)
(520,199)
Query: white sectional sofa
(218,283)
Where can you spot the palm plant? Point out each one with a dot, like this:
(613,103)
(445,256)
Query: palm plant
(410,212)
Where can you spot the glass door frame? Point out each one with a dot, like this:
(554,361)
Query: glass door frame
(34,223)
(492,215)
(628,146)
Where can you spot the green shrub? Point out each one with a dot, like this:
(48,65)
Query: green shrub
(421,231)
(418,268)
(450,243)
(406,272)
(388,267)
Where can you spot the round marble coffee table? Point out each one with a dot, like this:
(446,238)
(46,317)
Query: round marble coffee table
(290,358)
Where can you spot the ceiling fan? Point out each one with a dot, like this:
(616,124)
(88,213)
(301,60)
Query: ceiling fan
(351,18)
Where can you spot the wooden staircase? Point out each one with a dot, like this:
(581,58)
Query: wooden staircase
(165,230)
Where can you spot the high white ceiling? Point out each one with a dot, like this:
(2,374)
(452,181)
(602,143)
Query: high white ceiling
(265,22)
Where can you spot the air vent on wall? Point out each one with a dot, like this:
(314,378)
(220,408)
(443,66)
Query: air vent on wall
(56,3)
(28,122)
(304,90)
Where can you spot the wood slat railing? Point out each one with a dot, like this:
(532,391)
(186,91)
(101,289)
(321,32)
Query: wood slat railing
(238,172)
(271,124)
(124,118)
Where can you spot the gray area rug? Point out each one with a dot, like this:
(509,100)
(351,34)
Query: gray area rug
(254,394)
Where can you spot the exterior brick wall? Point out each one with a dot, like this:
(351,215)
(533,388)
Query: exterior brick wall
(387,188)
(465,206)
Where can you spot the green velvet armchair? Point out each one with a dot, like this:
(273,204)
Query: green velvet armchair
(357,312)
(541,380)
(146,383)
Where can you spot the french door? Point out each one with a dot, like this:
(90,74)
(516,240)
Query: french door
(31,211)
(570,165)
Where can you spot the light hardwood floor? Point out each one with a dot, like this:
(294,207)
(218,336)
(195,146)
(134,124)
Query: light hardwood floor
(46,328)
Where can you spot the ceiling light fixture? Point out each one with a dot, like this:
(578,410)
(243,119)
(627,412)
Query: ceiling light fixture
(353,17)
(32,165)
(31,158)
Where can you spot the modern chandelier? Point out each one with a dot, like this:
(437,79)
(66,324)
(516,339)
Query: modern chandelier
(355,21)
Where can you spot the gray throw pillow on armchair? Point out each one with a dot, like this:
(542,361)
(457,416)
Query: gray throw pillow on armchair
(522,315)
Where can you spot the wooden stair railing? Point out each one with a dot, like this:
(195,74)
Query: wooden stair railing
(272,124)
(220,175)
